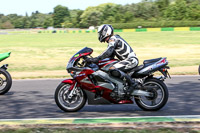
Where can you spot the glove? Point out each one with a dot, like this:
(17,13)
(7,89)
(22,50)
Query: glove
(92,60)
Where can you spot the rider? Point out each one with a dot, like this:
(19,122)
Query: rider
(118,47)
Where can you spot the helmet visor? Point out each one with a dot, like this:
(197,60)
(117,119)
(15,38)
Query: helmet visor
(100,36)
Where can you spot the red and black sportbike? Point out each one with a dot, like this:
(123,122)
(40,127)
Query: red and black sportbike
(92,83)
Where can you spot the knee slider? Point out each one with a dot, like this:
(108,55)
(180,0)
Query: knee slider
(135,62)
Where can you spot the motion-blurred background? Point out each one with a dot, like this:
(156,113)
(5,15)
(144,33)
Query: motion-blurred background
(43,35)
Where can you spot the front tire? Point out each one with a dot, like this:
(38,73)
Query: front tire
(67,104)
(159,99)
(5,81)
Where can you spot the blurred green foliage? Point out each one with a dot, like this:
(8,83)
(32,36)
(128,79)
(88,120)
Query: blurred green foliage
(148,13)
(150,24)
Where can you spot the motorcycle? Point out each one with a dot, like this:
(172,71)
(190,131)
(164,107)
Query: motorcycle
(91,82)
(199,70)
(5,78)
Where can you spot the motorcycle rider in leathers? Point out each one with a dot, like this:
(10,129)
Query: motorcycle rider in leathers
(118,47)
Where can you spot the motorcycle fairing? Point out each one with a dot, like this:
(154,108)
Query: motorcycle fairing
(91,97)
(91,92)
(83,52)
(85,81)
(94,81)
(3,56)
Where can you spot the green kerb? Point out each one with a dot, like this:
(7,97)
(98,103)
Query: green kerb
(167,29)
(122,120)
(87,31)
(194,28)
(118,30)
(141,30)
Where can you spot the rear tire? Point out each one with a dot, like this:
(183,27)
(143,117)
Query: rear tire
(5,81)
(163,100)
(64,103)
(199,69)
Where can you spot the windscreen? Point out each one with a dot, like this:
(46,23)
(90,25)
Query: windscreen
(82,52)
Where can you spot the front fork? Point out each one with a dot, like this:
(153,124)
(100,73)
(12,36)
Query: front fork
(73,89)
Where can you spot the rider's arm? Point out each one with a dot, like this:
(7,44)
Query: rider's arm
(109,51)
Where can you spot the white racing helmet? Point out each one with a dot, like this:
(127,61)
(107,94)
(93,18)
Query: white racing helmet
(104,31)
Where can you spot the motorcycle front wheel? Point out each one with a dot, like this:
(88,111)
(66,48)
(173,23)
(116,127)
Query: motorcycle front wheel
(5,81)
(66,103)
(159,96)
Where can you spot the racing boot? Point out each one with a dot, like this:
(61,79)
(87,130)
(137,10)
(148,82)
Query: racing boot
(132,83)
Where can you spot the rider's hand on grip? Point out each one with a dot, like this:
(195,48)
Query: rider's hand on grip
(92,60)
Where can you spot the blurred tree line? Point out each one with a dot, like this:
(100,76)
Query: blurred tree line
(145,11)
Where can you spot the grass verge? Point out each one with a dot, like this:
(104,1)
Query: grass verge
(38,54)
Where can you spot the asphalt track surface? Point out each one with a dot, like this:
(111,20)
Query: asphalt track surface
(35,99)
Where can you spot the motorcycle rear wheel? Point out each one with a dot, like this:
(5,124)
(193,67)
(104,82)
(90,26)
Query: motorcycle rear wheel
(73,104)
(5,81)
(159,99)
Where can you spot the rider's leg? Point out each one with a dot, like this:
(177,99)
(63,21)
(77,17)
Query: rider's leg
(118,70)
(125,77)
